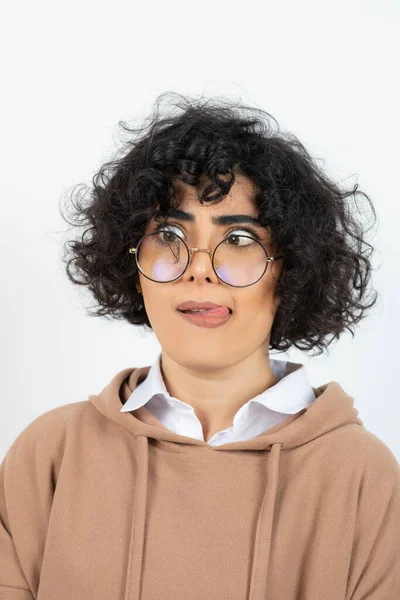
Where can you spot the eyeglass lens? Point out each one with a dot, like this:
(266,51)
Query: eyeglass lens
(239,260)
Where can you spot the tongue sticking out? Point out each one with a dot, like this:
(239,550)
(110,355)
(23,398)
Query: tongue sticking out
(221,311)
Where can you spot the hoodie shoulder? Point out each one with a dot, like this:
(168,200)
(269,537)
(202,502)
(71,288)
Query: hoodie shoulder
(362,449)
(377,455)
(46,433)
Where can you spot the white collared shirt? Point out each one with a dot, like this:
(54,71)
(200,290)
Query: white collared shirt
(292,393)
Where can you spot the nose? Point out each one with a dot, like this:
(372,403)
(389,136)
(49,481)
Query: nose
(200,265)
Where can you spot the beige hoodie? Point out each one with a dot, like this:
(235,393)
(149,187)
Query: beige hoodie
(97,504)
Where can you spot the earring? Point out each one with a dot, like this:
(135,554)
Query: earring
(139,289)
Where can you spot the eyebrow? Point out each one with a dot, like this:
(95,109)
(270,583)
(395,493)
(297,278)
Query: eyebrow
(176,213)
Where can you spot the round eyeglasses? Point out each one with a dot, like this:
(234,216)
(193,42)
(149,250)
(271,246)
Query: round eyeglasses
(238,260)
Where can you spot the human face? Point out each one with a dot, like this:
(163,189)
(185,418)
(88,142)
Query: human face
(247,331)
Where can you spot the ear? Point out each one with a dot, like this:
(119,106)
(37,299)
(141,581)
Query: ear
(137,284)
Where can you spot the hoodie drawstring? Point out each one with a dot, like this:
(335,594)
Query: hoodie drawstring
(263,541)
(134,574)
(263,537)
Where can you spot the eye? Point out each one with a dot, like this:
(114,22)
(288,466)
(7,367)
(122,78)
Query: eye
(167,227)
(242,230)
(245,231)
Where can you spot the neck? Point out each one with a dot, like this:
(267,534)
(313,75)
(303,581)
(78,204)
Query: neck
(217,393)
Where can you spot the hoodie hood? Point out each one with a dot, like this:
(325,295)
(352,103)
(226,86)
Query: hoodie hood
(332,409)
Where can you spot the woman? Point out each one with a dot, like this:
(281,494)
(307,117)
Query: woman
(218,472)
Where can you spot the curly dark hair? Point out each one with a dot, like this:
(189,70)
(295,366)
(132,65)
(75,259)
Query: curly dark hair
(324,280)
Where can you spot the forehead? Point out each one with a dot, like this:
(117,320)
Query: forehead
(241,198)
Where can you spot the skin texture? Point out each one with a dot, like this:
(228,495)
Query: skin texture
(218,370)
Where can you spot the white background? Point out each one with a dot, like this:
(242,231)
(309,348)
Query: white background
(71,71)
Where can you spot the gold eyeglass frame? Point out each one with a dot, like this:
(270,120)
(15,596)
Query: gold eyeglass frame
(211,253)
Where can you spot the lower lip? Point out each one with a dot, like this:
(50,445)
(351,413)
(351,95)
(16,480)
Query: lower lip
(202,320)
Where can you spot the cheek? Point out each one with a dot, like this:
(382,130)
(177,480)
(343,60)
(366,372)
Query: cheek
(255,314)
(258,300)
(157,302)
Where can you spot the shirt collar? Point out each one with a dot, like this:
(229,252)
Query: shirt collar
(292,393)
